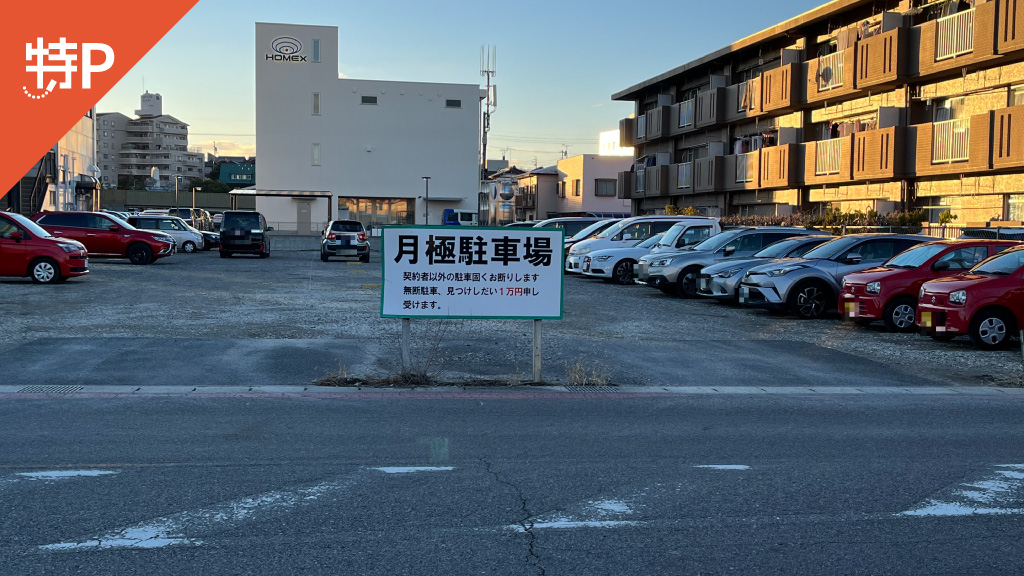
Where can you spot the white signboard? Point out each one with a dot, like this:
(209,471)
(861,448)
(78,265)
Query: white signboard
(472,272)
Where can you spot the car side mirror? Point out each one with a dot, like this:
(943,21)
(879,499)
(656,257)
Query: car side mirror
(853,258)
(113,227)
(270,229)
(729,250)
(941,266)
(16,236)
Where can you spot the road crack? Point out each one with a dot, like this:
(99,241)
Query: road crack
(526,522)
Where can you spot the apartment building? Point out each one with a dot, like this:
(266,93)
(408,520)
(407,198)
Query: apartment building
(580,185)
(129,149)
(857,104)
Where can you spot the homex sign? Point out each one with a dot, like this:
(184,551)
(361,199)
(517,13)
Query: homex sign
(286,49)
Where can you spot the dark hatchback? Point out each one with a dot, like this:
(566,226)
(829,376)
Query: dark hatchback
(244,232)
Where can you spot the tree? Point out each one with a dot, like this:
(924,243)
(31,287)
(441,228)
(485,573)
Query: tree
(212,186)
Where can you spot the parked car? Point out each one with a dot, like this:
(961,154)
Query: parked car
(570,224)
(524,224)
(188,239)
(684,233)
(616,264)
(105,235)
(189,215)
(678,273)
(211,240)
(588,232)
(244,232)
(217,218)
(722,280)
(809,286)
(26,249)
(118,213)
(986,303)
(345,238)
(889,293)
(628,231)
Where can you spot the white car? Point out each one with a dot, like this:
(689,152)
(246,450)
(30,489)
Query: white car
(616,264)
(573,262)
(627,232)
(188,239)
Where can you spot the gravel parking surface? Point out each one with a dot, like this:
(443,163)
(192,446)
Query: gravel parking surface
(198,309)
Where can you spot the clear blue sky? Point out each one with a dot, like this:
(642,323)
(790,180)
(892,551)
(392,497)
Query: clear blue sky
(558,62)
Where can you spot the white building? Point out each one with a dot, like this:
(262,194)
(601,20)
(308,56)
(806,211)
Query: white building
(333,147)
(609,144)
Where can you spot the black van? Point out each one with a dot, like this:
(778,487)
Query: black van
(244,232)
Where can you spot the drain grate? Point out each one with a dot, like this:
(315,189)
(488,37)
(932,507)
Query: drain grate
(591,389)
(50,389)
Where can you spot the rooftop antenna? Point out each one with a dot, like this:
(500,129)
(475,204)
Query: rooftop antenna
(488,68)
(565,151)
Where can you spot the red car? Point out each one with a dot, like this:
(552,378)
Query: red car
(107,235)
(889,292)
(986,303)
(28,250)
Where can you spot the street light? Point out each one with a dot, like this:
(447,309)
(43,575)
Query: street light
(426,203)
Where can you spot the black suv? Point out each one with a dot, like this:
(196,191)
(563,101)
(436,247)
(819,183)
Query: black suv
(244,232)
(345,238)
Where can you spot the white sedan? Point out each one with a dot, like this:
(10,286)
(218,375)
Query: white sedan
(616,264)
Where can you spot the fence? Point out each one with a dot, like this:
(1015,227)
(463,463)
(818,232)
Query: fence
(686,113)
(936,231)
(954,35)
(684,175)
(951,141)
(745,169)
(828,157)
(296,228)
(830,71)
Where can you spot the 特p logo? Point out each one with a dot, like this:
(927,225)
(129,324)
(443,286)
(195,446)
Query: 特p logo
(287,50)
(59,58)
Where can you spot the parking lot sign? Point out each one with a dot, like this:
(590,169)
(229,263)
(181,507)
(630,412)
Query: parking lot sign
(472,272)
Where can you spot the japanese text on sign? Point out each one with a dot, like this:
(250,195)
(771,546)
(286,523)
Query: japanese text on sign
(456,272)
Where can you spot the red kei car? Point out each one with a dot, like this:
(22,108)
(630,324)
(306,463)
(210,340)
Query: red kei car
(28,250)
(986,303)
(889,292)
(107,235)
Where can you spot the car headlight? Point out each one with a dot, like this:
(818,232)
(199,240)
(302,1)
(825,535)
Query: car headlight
(874,287)
(920,293)
(69,248)
(727,273)
(784,270)
(604,258)
(166,239)
(579,250)
(959,297)
(662,262)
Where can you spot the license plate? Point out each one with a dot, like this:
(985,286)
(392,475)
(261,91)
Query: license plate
(744,293)
(851,309)
(345,252)
(238,233)
(926,319)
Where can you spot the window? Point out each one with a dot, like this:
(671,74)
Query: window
(748,243)
(873,250)
(369,100)
(106,145)
(1017,96)
(316,50)
(693,236)
(638,231)
(604,187)
(965,258)
(316,103)
(575,187)
(659,227)
(561,189)
(453,103)
(316,154)
(106,156)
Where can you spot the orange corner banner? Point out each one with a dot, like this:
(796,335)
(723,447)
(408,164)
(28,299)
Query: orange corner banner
(59,59)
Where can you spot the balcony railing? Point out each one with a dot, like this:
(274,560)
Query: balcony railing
(641,126)
(954,35)
(828,157)
(686,113)
(745,167)
(684,175)
(639,178)
(830,71)
(745,100)
(951,141)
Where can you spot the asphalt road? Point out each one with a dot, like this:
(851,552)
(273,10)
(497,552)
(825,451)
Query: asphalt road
(686,484)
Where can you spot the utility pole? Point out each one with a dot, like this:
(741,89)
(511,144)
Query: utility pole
(488,68)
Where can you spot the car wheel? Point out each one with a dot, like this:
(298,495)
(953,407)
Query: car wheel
(189,247)
(44,271)
(623,272)
(899,315)
(365,259)
(686,285)
(810,301)
(991,329)
(324,257)
(265,254)
(224,254)
(140,254)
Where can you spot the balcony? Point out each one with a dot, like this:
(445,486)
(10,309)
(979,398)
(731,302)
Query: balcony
(780,89)
(779,166)
(683,178)
(828,161)
(640,129)
(954,35)
(625,185)
(1010,29)
(743,171)
(707,174)
(882,59)
(526,201)
(656,121)
(743,100)
(954,146)
(683,117)
(1008,138)
(655,181)
(832,76)
(708,107)
(957,41)
(878,154)
(626,131)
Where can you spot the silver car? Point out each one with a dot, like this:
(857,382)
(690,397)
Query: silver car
(722,280)
(809,286)
(678,273)
(187,238)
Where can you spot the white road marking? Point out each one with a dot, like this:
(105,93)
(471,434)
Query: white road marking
(62,474)
(611,507)
(567,523)
(411,469)
(594,514)
(1002,493)
(724,466)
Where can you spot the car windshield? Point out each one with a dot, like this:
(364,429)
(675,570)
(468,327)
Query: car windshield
(121,223)
(650,242)
(592,229)
(614,228)
(916,256)
(780,249)
(250,221)
(832,248)
(670,237)
(29,225)
(717,241)
(346,227)
(1001,265)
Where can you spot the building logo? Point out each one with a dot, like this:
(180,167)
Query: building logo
(286,49)
(57,58)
